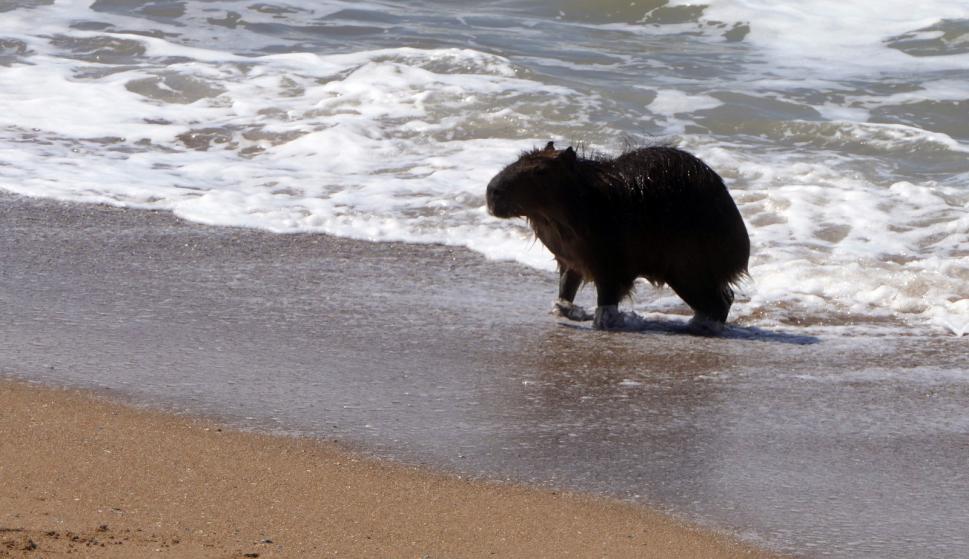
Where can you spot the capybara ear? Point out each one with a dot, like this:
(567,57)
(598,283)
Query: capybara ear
(568,155)
(550,146)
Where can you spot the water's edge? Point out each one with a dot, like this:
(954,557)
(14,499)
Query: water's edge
(433,355)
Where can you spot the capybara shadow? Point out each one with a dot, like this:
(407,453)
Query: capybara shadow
(656,212)
(634,322)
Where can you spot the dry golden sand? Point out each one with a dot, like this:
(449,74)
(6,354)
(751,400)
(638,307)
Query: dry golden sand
(83,476)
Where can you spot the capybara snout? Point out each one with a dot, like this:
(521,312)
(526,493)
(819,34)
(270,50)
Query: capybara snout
(525,184)
(497,198)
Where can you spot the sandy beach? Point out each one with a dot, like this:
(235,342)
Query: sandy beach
(82,476)
(436,358)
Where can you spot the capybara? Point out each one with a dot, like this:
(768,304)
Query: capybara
(655,212)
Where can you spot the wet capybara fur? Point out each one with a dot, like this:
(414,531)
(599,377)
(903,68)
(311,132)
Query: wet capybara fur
(657,212)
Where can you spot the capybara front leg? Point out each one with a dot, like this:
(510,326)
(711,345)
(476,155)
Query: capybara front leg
(569,282)
(607,315)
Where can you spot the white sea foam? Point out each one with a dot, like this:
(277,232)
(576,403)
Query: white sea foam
(670,102)
(826,244)
(836,37)
(359,160)
(398,143)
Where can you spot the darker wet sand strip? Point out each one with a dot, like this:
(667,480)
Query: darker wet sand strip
(82,475)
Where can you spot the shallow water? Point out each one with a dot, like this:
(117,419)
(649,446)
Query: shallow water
(823,445)
(841,128)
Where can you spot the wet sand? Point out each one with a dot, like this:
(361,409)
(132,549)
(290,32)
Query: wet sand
(433,356)
(84,476)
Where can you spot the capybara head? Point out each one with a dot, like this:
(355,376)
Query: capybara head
(531,184)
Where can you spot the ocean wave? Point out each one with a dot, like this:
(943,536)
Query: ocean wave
(852,221)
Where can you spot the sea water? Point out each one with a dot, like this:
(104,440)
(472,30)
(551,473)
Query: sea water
(841,128)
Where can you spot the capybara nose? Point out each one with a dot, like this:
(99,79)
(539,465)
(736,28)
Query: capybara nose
(492,202)
(498,205)
(493,197)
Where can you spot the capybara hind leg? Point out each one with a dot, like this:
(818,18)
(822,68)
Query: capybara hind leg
(569,282)
(710,304)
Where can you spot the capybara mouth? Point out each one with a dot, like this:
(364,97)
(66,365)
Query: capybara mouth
(505,212)
(499,207)
(500,211)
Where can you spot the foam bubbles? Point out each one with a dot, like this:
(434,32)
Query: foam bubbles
(670,102)
(827,245)
(854,191)
(836,37)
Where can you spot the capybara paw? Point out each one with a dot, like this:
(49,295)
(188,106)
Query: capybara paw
(571,311)
(704,326)
(608,318)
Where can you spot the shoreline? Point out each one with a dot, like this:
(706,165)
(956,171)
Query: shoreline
(434,356)
(85,475)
